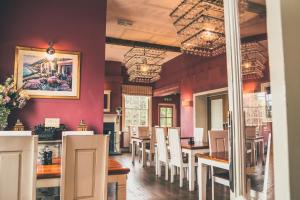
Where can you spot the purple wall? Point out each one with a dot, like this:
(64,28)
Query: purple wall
(74,26)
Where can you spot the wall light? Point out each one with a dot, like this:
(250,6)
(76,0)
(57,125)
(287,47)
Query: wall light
(187,103)
(50,51)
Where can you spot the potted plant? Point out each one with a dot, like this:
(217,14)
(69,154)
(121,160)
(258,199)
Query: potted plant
(10,99)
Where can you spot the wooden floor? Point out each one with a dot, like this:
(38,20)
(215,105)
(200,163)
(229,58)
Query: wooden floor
(142,184)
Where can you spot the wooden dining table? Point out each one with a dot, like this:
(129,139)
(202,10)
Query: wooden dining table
(219,160)
(49,176)
(135,141)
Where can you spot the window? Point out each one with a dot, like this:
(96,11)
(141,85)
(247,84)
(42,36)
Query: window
(166,116)
(136,110)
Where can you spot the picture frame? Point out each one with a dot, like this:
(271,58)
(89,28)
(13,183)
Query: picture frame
(42,77)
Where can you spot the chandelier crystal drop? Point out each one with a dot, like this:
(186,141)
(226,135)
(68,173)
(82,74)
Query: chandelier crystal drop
(144,64)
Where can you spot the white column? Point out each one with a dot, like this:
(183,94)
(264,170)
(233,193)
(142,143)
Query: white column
(283,19)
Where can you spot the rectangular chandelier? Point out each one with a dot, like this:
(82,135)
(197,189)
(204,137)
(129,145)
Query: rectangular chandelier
(200,26)
(144,64)
(253,60)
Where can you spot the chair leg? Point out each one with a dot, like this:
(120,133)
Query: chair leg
(166,172)
(212,188)
(172,173)
(159,169)
(181,174)
(187,174)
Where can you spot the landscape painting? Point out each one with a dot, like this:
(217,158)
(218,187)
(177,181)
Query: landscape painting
(42,77)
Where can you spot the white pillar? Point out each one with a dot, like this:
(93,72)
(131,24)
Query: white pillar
(283,19)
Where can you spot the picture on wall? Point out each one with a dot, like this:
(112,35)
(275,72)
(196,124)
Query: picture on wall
(45,77)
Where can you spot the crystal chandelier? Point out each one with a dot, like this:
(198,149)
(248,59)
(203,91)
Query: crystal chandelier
(253,60)
(200,26)
(144,64)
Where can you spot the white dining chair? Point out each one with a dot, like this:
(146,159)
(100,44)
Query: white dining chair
(218,142)
(162,151)
(18,158)
(84,167)
(176,159)
(198,135)
(150,150)
(15,133)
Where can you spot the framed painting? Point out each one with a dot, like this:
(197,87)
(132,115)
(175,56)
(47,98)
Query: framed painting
(41,77)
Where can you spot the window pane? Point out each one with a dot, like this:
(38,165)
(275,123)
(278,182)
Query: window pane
(163,122)
(163,112)
(169,112)
(143,117)
(169,122)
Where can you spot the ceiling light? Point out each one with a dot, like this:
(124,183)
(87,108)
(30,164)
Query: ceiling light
(144,64)
(253,60)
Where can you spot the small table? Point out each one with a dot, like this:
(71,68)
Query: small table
(49,176)
(135,140)
(254,140)
(192,150)
(219,160)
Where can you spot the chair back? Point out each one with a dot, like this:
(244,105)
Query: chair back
(15,133)
(132,131)
(65,133)
(152,140)
(161,145)
(250,131)
(198,135)
(143,131)
(218,141)
(175,147)
(84,167)
(18,157)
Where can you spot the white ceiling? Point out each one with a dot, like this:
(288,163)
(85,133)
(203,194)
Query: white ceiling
(117,52)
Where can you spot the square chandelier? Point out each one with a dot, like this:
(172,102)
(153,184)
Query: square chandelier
(253,60)
(144,64)
(200,27)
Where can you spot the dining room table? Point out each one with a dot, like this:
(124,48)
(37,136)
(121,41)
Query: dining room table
(192,150)
(136,141)
(49,176)
(218,159)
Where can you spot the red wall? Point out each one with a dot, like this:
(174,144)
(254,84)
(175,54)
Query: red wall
(193,74)
(113,82)
(72,25)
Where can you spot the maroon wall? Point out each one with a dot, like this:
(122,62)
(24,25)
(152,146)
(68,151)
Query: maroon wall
(113,82)
(72,25)
(172,99)
(193,74)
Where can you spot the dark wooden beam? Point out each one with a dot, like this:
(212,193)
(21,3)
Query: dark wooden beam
(131,43)
(255,38)
(256,8)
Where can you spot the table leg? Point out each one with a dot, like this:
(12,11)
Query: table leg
(202,179)
(191,171)
(144,154)
(133,151)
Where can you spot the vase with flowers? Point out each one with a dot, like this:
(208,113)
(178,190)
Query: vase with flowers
(10,99)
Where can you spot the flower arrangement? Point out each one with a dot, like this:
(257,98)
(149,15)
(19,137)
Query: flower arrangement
(10,99)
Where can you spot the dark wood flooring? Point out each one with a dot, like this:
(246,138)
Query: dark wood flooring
(142,184)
